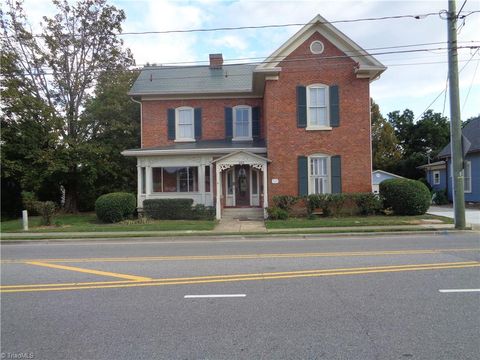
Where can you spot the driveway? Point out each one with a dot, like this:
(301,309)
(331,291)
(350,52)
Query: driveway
(472,216)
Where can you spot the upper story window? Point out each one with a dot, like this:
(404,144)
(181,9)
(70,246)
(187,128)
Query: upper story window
(242,122)
(184,123)
(319,175)
(317,107)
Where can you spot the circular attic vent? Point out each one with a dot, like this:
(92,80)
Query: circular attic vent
(316,47)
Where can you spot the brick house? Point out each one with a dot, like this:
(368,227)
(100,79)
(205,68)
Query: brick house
(236,135)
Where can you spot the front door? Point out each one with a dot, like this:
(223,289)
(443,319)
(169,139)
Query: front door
(242,188)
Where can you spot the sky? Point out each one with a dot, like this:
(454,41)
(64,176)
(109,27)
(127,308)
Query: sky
(412,80)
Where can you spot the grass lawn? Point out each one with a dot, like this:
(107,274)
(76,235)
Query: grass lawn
(377,220)
(88,222)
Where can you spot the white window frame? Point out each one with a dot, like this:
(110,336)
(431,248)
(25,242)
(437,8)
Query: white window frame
(327,107)
(177,119)
(434,180)
(234,123)
(311,177)
(467,177)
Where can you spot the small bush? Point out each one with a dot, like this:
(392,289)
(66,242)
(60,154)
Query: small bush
(115,207)
(29,202)
(330,204)
(202,212)
(405,197)
(276,213)
(168,209)
(440,197)
(285,202)
(368,203)
(46,209)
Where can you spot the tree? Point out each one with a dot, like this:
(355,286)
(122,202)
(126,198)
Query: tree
(57,69)
(385,147)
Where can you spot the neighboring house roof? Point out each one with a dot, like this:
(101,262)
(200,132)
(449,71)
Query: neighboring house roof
(166,80)
(472,132)
(437,165)
(368,66)
(199,147)
(383,175)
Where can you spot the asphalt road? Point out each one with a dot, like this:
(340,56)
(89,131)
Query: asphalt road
(327,298)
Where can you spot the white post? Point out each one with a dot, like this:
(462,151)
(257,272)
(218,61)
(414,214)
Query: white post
(25,220)
(149,184)
(265,190)
(218,181)
(139,184)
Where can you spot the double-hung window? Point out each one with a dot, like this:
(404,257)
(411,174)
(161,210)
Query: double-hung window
(184,124)
(319,177)
(242,123)
(317,107)
(436,177)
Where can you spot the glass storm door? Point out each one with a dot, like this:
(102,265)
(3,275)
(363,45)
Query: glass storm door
(230,187)
(242,186)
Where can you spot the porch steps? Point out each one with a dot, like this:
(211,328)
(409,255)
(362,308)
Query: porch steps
(245,214)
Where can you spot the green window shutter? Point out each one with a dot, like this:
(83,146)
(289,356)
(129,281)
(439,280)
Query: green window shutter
(171,124)
(198,122)
(256,122)
(228,123)
(334,106)
(301,106)
(302,175)
(336,171)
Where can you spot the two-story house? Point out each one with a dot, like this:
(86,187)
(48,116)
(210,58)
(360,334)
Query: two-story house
(236,135)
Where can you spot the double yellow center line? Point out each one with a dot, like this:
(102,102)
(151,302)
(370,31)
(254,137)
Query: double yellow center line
(235,277)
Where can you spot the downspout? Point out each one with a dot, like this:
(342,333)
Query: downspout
(141,120)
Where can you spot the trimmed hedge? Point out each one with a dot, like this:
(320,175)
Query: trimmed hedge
(405,196)
(177,209)
(115,207)
(277,213)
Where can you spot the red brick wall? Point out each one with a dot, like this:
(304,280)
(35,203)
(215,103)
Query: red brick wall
(285,142)
(154,118)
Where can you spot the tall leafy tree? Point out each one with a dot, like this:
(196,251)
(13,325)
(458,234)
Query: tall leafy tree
(58,68)
(385,147)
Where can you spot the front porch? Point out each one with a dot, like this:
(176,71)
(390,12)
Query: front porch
(241,180)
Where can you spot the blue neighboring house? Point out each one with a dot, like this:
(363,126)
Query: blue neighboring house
(439,176)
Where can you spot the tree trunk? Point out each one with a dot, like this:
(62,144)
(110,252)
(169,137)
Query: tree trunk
(71,197)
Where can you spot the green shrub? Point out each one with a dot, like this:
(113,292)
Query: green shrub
(46,209)
(330,204)
(368,203)
(276,213)
(440,197)
(115,207)
(168,209)
(405,197)
(285,202)
(202,212)
(29,202)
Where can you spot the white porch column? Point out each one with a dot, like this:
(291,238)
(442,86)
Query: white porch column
(139,184)
(149,182)
(265,190)
(219,192)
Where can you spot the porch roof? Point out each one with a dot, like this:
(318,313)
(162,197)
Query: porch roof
(202,146)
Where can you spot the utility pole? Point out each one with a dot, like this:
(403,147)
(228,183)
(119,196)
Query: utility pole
(455,122)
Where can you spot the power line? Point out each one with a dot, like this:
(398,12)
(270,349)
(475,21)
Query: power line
(297,59)
(471,83)
(231,28)
(461,8)
(444,90)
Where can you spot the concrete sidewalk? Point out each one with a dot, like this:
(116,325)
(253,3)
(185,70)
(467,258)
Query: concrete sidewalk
(240,229)
(472,216)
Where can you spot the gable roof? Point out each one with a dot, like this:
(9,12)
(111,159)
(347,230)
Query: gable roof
(176,80)
(472,132)
(368,65)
